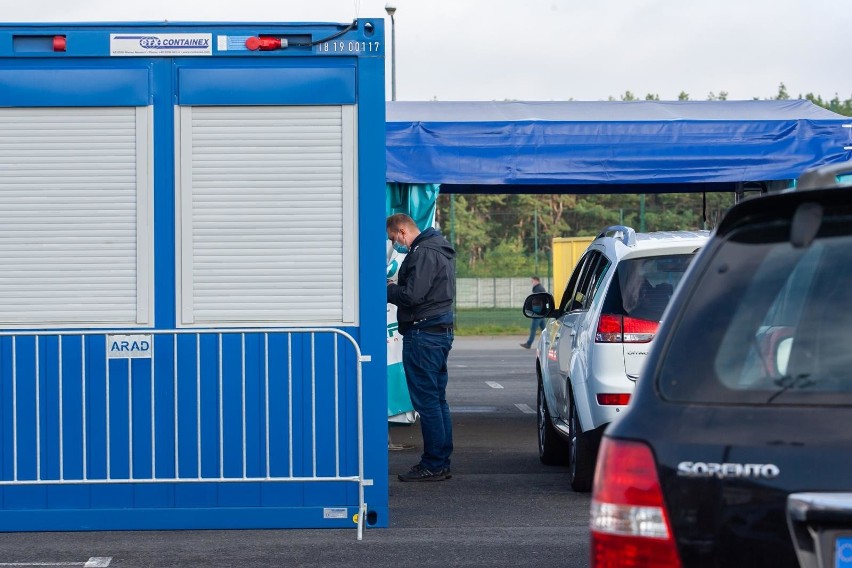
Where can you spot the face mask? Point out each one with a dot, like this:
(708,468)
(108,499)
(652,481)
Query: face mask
(400,248)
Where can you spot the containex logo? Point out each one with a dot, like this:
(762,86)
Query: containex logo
(150,42)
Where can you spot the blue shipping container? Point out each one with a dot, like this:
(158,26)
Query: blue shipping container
(191,305)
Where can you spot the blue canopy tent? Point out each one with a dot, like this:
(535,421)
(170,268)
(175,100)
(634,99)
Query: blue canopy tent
(610,146)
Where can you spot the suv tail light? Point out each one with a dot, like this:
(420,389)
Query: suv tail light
(625,329)
(629,523)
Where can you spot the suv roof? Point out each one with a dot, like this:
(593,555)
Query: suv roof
(825,177)
(621,240)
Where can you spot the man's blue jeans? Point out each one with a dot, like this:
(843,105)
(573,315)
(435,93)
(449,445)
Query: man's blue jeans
(424,358)
(537,323)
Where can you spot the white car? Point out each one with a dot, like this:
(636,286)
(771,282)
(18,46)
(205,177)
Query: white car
(591,352)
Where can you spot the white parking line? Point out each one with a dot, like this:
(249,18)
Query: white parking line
(92,562)
(474,409)
(494,385)
(525,408)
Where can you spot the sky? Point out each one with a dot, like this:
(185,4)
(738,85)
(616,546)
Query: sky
(551,50)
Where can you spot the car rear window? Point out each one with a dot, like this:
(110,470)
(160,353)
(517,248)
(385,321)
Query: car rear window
(767,323)
(642,287)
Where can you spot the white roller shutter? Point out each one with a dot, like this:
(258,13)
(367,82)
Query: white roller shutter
(266,215)
(75,210)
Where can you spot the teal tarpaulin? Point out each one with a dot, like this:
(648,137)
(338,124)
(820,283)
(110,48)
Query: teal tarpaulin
(419,202)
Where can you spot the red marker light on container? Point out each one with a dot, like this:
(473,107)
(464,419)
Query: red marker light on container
(265,43)
(59,43)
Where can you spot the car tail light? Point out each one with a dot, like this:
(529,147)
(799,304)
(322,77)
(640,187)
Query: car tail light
(613,398)
(629,523)
(610,329)
(624,329)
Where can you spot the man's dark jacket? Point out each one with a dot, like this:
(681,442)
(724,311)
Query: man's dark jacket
(427,282)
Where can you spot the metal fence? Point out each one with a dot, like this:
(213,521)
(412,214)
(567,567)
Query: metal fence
(494,292)
(182,406)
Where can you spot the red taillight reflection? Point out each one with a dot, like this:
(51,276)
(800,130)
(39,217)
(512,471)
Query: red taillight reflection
(613,398)
(629,522)
(632,552)
(625,329)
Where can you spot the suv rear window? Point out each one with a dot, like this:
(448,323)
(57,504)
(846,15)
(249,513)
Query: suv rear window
(642,287)
(767,323)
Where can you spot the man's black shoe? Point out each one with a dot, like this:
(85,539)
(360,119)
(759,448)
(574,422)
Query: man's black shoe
(447,473)
(525,345)
(420,473)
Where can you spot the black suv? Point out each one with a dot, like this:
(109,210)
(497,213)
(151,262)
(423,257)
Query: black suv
(736,449)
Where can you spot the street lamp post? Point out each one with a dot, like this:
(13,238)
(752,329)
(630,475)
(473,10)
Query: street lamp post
(391,10)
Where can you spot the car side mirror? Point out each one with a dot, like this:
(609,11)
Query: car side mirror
(539,305)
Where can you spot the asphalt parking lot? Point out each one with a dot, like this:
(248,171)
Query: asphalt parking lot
(501,508)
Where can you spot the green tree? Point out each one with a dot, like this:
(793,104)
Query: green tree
(472,226)
(506,258)
(499,235)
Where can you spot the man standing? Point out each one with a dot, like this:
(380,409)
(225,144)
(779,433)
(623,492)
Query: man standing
(536,323)
(424,295)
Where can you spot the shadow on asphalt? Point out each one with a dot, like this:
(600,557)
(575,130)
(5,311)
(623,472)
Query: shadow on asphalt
(497,477)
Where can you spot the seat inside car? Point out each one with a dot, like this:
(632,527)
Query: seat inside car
(822,349)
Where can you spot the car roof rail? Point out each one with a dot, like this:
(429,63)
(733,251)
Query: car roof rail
(824,177)
(626,234)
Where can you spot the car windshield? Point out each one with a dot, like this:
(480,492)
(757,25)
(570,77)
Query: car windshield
(643,287)
(768,323)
